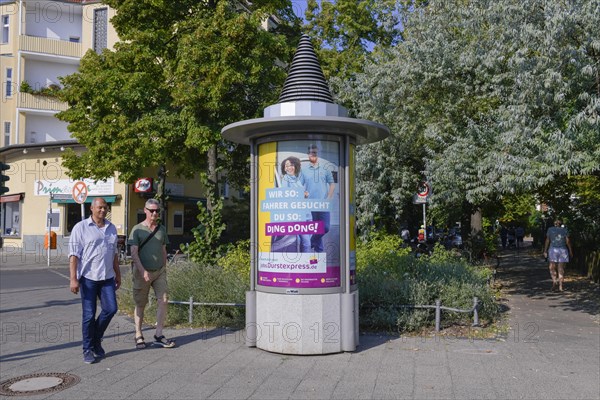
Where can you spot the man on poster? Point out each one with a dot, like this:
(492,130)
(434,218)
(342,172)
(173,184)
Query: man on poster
(319,185)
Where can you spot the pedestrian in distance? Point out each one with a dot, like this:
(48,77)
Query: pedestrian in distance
(520,235)
(511,236)
(148,241)
(405,235)
(503,236)
(95,274)
(421,234)
(558,251)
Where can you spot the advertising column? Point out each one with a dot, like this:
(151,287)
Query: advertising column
(299,214)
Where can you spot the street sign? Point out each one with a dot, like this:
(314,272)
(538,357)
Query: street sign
(423,189)
(80,192)
(423,192)
(419,200)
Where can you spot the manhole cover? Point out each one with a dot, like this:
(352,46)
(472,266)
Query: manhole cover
(45,382)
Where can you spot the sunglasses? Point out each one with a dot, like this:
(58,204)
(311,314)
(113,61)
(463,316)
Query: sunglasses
(153,210)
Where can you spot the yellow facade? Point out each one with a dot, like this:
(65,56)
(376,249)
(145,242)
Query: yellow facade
(40,41)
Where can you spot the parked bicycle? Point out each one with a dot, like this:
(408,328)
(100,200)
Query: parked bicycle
(122,248)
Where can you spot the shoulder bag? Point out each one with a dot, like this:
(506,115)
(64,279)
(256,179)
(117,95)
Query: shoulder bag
(146,241)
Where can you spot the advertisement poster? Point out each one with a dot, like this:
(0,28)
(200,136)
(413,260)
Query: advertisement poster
(298,215)
(352,189)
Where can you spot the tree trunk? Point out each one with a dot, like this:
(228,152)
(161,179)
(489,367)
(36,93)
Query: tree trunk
(160,191)
(212,176)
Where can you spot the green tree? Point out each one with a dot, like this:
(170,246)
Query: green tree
(346,34)
(502,95)
(181,72)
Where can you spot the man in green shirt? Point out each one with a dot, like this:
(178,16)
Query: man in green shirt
(148,241)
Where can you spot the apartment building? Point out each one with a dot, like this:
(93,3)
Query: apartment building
(42,40)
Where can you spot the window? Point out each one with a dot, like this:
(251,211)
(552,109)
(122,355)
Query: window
(224,189)
(74,39)
(6,133)
(178,220)
(100,29)
(190,218)
(73,211)
(141,216)
(8,92)
(5,27)
(32,137)
(11,218)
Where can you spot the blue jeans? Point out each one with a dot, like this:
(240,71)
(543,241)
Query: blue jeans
(92,329)
(316,241)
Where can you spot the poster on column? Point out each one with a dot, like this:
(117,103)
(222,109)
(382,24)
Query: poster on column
(352,221)
(298,214)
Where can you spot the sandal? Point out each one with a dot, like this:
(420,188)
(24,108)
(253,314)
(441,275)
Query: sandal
(163,341)
(140,343)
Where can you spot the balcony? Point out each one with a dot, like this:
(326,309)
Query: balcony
(54,47)
(38,102)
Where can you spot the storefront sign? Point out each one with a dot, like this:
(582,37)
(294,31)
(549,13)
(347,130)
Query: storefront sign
(66,186)
(143,185)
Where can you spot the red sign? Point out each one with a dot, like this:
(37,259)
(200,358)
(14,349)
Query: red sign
(423,189)
(143,185)
(80,192)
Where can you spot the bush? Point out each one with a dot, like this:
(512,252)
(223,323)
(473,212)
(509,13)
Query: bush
(390,277)
(226,282)
(207,284)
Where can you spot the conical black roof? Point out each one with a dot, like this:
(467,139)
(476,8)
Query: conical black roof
(305,80)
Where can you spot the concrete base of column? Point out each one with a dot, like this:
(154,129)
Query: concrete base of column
(305,324)
(251,318)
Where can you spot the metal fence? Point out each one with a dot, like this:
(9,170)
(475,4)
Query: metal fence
(191,303)
(438,311)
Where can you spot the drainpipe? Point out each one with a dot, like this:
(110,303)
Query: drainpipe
(18,91)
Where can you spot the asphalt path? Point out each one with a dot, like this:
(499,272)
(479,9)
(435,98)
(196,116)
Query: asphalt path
(33,278)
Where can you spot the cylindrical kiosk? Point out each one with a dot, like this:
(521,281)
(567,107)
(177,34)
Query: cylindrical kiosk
(303,296)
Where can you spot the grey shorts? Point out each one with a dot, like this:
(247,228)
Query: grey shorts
(558,254)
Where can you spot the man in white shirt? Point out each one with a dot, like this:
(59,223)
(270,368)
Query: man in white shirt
(95,274)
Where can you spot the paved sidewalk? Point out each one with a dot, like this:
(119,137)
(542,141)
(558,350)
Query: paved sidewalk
(552,351)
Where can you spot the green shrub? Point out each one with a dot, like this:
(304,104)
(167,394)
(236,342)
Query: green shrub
(391,279)
(225,283)
(207,284)
(237,259)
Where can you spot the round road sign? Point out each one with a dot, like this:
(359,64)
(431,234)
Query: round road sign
(423,189)
(80,192)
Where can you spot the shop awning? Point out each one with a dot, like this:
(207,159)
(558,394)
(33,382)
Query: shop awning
(10,198)
(186,199)
(69,200)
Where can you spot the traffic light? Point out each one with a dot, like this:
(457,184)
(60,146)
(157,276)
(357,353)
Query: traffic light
(3,178)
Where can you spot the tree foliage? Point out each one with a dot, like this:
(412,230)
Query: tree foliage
(490,98)
(181,72)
